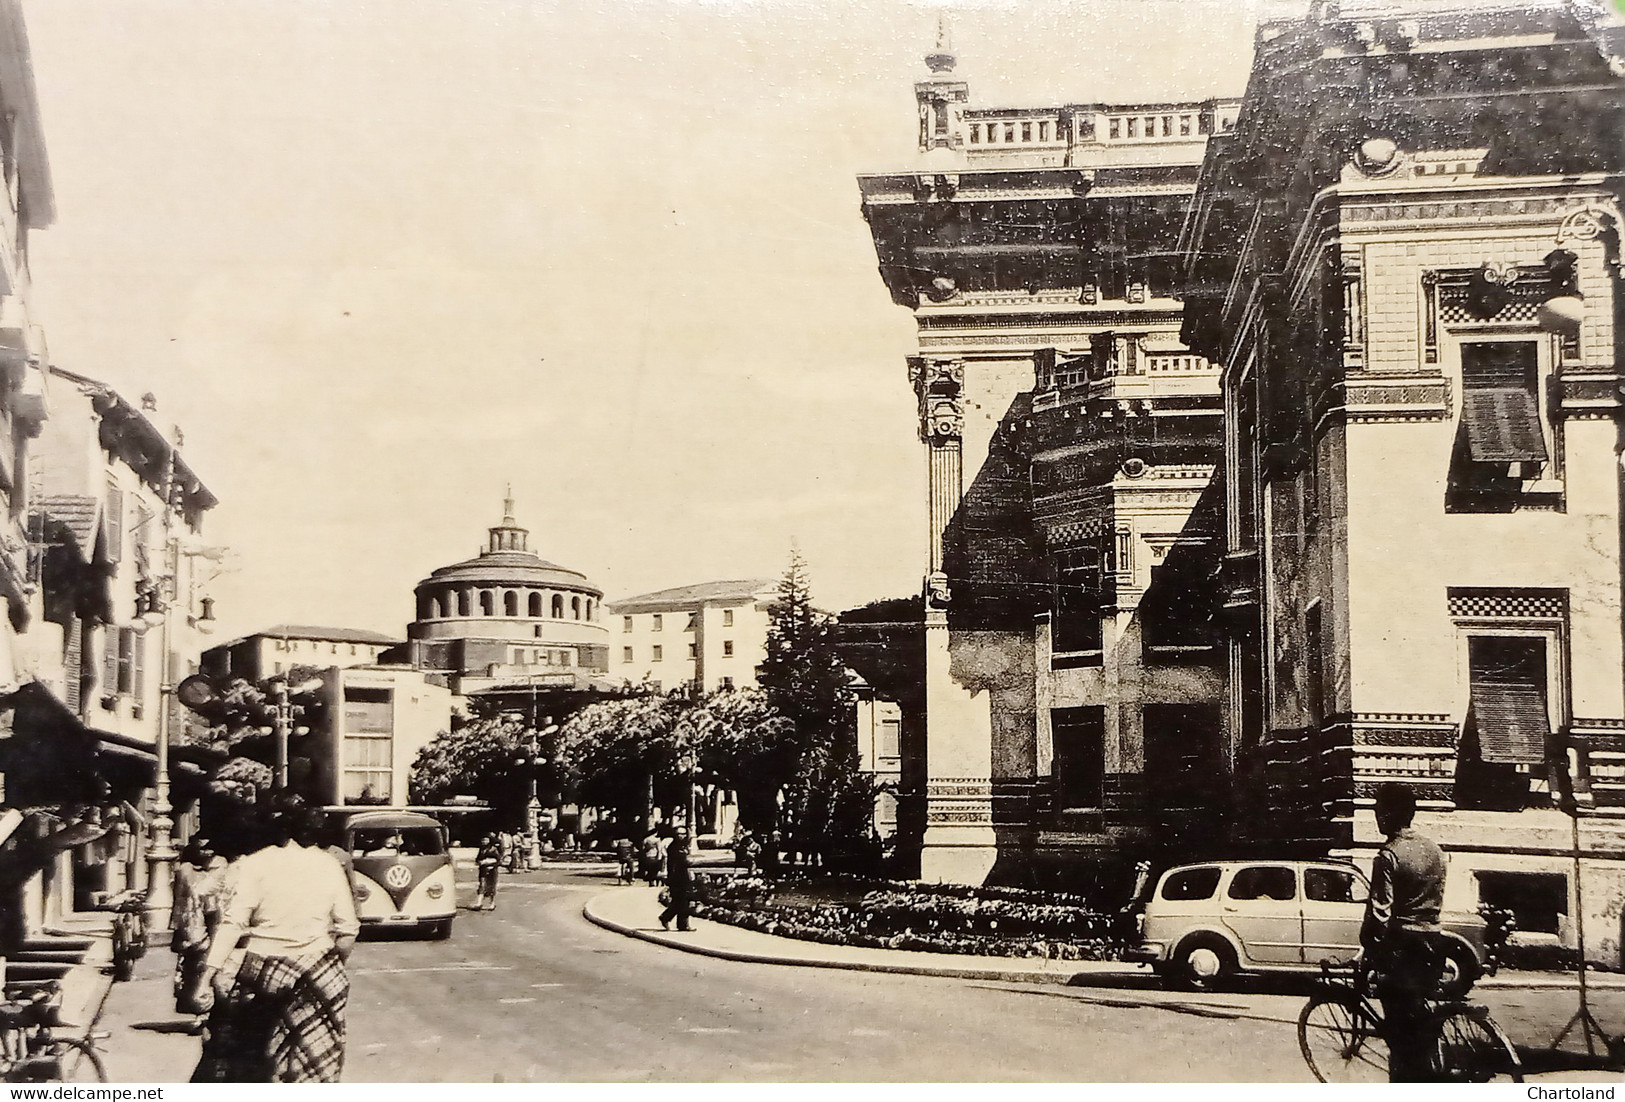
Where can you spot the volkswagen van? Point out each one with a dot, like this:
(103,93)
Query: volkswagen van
(400,870)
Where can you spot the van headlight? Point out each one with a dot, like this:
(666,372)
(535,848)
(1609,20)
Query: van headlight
(435,891)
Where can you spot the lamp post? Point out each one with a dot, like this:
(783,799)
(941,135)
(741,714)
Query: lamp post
(533,808)
(161,853)
(283,713)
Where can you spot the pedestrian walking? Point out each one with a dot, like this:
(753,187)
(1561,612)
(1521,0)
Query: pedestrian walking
(518,853)
(278,1015)
(649,858)
(199,879)
(487,862)
(623,858)
(679,882)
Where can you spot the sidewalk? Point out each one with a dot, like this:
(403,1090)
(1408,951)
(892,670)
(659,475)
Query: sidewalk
(148,1042)
(633,911)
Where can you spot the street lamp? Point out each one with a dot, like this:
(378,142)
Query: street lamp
(161,853)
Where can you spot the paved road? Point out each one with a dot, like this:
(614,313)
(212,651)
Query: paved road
(534,992)
(531,992)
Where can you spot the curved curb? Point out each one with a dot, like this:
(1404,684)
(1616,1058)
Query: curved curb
(668,941)
(1003,975)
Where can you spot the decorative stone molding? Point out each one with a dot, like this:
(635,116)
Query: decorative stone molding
(938,384)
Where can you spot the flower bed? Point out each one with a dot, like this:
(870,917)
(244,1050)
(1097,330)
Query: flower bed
(941,918)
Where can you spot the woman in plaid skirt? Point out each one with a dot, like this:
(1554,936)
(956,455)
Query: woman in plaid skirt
(278,1015)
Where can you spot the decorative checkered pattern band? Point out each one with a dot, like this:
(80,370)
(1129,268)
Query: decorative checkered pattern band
(1509,604)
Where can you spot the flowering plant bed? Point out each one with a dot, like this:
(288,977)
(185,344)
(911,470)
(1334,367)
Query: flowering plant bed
(941,918)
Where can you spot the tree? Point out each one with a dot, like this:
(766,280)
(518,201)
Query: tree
(239,723)
(827,800)
(743,743)
(624,754)
(485,757)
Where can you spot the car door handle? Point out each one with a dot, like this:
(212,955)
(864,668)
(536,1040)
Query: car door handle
(1230,909)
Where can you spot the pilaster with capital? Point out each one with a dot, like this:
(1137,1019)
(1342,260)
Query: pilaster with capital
(939,385)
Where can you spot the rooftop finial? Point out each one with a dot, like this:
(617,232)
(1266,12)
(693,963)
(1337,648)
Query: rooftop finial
(507,505)
(941,59)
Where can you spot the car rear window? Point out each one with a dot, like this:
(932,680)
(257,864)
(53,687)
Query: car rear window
(1191,884)
(1333,886)
(1264,882)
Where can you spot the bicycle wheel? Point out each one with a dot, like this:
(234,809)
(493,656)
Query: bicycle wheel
(78,1061)
(1472,1049)
(1340,1040)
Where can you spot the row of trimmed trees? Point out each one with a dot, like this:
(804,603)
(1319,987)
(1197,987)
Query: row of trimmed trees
(787,749)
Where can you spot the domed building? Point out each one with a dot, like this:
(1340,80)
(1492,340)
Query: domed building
(508,617)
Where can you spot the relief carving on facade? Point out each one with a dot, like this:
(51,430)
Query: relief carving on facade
(938,384)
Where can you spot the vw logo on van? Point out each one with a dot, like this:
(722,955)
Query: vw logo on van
(398,876)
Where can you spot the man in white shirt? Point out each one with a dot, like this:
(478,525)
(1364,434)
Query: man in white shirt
(279,1015)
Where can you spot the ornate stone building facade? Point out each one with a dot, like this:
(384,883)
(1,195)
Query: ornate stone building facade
(1069,440)
(1407,259)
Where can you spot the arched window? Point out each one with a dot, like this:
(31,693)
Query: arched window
(589,608)
(536,606)
(462,602)
(575,607)
(434,608)
(488,604)
(425,606)
(558,607)
(510,603)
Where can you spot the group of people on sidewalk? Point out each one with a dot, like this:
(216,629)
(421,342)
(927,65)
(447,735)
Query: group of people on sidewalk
(264,922)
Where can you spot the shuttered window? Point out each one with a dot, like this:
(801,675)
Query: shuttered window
(1500,409)
(1508,707)
(109,661)
(1503,426)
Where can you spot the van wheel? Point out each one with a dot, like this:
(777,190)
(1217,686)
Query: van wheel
(1202,963)
(1461,970)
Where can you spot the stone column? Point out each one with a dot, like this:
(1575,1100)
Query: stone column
(959,844)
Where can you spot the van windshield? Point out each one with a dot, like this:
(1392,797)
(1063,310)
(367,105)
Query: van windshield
(395,842)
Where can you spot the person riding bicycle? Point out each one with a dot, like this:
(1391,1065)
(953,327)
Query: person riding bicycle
(1400,933)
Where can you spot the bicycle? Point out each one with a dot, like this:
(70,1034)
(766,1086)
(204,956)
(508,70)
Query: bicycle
(129,931)
(1340,1032)
(31,1052)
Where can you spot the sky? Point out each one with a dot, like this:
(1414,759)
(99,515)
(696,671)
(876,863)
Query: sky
(380,258)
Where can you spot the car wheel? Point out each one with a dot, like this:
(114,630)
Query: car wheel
(1203,963)
(1461,970)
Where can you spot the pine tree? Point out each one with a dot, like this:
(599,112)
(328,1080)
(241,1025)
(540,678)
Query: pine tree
(826,799)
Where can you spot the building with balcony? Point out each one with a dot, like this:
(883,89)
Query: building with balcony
(1069,439)
(1406,258)
(712,635)
(115,524)
(508,618)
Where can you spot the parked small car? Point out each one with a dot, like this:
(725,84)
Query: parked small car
(1207,922)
